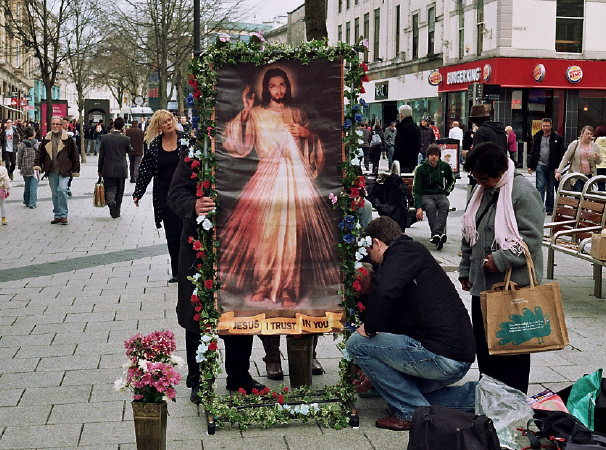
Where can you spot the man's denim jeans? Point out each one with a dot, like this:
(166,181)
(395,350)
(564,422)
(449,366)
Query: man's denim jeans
(58,186)
(408,376)
(545,183)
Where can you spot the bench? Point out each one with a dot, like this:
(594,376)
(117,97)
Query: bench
(576,216)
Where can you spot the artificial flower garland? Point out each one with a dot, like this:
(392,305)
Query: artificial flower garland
(352,245)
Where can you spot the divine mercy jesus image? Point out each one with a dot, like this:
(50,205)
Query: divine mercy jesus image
(278,243)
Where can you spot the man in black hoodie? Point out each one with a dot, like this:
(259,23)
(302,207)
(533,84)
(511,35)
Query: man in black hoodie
(488,130)
(416,338)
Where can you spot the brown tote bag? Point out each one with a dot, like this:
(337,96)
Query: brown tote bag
(99,193)
(523,320)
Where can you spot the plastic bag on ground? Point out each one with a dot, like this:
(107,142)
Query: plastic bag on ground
(506,407)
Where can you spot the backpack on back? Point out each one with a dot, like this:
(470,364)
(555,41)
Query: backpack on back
(376,139)
(437,427)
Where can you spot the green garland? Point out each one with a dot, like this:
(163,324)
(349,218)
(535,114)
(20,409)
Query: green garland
(203,79)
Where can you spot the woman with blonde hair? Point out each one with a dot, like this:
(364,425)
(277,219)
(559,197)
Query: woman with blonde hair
(165,145)
(583,156)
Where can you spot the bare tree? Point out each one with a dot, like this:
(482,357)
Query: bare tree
(41,27)
(315,19)
(80,50)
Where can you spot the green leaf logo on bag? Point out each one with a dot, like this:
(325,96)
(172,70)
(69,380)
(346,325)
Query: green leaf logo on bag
(522,328)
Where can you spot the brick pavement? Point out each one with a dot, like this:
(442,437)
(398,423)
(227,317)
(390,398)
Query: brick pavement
(70,295)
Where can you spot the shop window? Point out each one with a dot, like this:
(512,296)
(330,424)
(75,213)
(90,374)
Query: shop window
(569,26)
(377,33)
(366,33)
(356,29)
(461,13)
(431,30)
(397,31)
(340,33)
(592,109)
(480,26)
(415,36)
(347,32)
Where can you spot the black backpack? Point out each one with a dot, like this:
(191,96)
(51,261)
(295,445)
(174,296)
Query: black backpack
(565,431)
(440,428)
(389,196)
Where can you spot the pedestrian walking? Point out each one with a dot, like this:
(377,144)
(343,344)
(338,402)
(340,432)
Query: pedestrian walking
(25,159)
(58,158)
(136,136)
(5,186)
(10,142)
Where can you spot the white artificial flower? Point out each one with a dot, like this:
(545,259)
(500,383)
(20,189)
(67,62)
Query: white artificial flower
(185,142)
(119,385)
(127,365)
(357,265)
(363,251)
(355,161)
(359,133)
(191,153)
(200,218)
(206,338)
(197,276)
(359,256)
(314,406)
(177,361)
(304,409)
(207,224)
(143,365)
(360,141)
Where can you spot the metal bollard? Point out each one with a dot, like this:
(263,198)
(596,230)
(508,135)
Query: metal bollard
(300,354)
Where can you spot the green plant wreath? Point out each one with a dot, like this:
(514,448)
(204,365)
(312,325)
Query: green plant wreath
(272,407)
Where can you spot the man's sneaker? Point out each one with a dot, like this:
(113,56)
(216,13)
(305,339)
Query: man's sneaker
(441,242)
(435,239)
(63,220)
(4,222)
(55,221)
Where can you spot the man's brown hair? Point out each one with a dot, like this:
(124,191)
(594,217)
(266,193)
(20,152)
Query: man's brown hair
(383,228)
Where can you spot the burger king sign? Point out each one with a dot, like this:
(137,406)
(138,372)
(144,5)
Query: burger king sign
(434,78)
(574,74)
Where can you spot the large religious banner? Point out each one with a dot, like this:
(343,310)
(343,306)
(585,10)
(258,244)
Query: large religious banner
(278,146)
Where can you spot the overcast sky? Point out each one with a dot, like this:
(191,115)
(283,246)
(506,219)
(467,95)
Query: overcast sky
(265,10)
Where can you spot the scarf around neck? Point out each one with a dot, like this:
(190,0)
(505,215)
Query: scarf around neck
(506,233)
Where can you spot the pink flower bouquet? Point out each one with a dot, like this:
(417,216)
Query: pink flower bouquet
(150,372)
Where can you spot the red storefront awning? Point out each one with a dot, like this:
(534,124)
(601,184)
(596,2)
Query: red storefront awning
(525,73)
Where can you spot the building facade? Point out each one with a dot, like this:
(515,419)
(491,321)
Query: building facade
(523,59)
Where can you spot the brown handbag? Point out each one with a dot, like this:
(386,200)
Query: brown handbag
(99,199)
(523,320)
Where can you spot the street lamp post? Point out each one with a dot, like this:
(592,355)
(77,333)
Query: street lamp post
(196,28)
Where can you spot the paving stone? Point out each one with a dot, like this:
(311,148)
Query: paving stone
(86,337)
(67,363)
(18,416)
(103,412)
(101,434)
(10,397)
(41,436)
(33,379)
(55,395)
(59,328)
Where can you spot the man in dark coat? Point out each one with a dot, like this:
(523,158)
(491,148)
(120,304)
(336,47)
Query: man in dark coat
(488,130)
(112,166)
(184,202)
(408,141)
(547,152)
(136,136)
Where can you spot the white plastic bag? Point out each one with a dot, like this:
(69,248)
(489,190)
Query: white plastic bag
(506,407)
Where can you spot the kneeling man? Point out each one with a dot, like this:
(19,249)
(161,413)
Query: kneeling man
(416,338)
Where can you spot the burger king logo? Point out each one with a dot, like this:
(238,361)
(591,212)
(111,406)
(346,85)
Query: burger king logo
(486,72)
(539,73)
(435,78)
(574,74)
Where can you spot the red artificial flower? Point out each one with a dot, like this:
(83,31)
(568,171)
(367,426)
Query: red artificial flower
(255,391)
(355,192)
(362,90)
(281,399)
(361,203)
(361,307)
(195,299)
(195,163)
(197,308)
(199,266)
(208,284)
(197,94)
(365,78)
(285,389)
(197,317)
(206,184)
(363,271)
(187,159)
(194,175)
(208,327)
(274,394)
(356,286)
(191,239)
(199,193)
(361,182)
(197,245)
(200,255)
(265,390)
(242,391)
(364,67)
(192,81)
(353,204)
(212,346)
